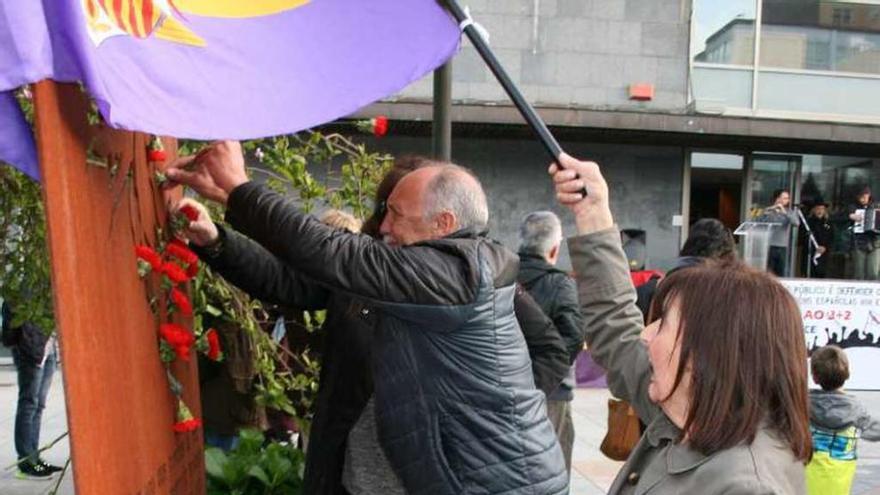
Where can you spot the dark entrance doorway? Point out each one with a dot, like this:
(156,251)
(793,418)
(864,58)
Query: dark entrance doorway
(716,188)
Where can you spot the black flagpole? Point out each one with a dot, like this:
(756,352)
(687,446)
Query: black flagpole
(525,108)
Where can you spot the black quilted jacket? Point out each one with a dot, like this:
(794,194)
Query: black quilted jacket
(456,403)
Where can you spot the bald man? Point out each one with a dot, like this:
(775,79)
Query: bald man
(455,408)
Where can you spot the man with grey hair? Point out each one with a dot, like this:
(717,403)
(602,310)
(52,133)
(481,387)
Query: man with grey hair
(455,409)
(540,240)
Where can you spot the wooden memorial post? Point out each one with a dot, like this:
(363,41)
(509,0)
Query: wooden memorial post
(101,200)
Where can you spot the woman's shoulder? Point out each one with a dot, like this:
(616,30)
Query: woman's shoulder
(767,465)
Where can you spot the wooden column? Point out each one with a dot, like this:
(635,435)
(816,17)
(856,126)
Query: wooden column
(101,199)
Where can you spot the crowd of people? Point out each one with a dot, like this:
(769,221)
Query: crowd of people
(841,241)
(453,405)
(447,359)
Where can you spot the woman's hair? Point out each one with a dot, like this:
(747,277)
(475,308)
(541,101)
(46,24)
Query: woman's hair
(830,367)
(341,220)
(742,338)
(402,166)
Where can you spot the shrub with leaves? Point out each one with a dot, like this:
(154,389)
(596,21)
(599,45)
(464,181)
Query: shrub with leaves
(254,468)
(315,170)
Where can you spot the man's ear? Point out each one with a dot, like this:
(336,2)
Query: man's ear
(554,252)
(446,223)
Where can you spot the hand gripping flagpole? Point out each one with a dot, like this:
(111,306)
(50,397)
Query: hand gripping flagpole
(478,36)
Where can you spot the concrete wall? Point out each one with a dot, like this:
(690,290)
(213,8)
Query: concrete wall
(645,184)
(586,53)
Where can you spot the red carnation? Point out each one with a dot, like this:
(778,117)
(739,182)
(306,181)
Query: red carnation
(155,150)
(380,125)
(192,270)
(174,272)
(175,334)
(180,251)
(177,337)
(181,301)
(190,212)
(185,420)
(147,254)
(187,425)
(214,351)
(156,155)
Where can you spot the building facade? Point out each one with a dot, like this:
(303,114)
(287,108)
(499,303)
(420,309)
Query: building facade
(694,108)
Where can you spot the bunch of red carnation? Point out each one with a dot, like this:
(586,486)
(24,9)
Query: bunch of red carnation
(176,264)
(177,338)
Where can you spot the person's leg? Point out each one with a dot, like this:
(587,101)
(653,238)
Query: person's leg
(566,436)
(223,442)
(820,269)
(776,260)
(48,371)
(49,367)
(559,413)
(858,259)
(872,264)
(29,377)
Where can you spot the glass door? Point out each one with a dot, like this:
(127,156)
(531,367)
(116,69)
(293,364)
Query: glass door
(767,175)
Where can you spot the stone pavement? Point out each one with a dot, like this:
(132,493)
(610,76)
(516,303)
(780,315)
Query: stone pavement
(592,473)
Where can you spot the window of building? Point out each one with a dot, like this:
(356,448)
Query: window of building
(724,32)
(820,35)
(803,48)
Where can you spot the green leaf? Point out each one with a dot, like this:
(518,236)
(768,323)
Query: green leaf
(215,461)
(258,473)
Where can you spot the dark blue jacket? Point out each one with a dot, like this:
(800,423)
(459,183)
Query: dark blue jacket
(456,404)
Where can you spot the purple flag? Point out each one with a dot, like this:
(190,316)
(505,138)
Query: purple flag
(236,69)
(16,139)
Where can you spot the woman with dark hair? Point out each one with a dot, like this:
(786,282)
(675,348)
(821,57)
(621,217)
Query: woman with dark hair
(720,377)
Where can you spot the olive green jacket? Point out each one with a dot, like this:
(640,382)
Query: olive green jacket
(659,465)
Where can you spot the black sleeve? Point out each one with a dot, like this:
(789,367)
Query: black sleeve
(355,264)
(550,361)
(251,268)
(567,315)
(644,296)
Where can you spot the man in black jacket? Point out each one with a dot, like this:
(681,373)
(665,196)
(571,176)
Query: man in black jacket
(345,384)
(540,240)
(455,409)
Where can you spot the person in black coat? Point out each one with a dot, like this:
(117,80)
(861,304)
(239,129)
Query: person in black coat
(346,378)
(556,293)
(823,231)
(455,408)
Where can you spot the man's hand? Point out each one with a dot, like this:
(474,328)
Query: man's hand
(201,231)
(213,173)
(592,212)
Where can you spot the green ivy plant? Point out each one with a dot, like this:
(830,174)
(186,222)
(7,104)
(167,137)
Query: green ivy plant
(24,254)
(316,170)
